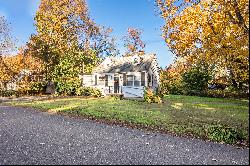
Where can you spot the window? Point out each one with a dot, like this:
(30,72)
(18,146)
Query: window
(124,80)
(82,81)
(95,79)
(142,78)
(136,81)
(149,80)
(152,79)
(136,61)
(106,80)
(130,80)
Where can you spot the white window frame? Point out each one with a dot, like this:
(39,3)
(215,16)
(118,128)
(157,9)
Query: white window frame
(133,80)
(129,75)
(139,81)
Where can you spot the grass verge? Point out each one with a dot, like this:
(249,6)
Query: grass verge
(215,119)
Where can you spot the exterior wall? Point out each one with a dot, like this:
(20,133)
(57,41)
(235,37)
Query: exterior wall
(8,86)
(154,70)
(134,91)
(128,91)
(11,86)
(89,81)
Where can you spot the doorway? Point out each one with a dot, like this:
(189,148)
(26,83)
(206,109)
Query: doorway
(116,84)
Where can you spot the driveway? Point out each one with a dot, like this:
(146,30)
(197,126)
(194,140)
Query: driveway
(32,137)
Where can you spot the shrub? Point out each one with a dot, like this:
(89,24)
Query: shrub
(195,81)
(151,97)
(67,86)
(8,93)
(176,88)
(170,83)
(23,88)
(38,87)
(88,91)
(226,93)
(224,134)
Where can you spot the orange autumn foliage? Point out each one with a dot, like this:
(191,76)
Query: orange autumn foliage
(11,66)
(215,32)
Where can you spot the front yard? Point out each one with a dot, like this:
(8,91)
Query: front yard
(221,120)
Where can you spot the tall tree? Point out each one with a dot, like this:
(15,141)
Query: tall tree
(64,22)
(12,66)
(104,44)
(38,48)
(6,40)
(6,47)
(65,31)
(216,32)
(133,41)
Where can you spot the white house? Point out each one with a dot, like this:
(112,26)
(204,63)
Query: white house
(124,75)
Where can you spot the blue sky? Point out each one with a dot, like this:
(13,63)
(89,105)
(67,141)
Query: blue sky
(117,14)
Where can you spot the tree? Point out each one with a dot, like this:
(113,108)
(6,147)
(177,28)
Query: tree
(6,40)
(38,48)
(171,76)
(216,32)
(12,66)
(64,23)
(103,44)
(195,81)
(133,41)
(6,46)
(68,41)
(65,31)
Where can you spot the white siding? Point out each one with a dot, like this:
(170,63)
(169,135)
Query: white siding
(154,69)
(88,80)
(130,91)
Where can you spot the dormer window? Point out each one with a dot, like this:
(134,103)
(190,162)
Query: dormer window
(137,60)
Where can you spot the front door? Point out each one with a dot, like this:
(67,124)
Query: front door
(116,84)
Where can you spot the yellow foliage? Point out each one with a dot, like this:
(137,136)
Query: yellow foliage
(11,66)
(216,32)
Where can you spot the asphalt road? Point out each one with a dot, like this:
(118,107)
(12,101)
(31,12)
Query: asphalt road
(33,137)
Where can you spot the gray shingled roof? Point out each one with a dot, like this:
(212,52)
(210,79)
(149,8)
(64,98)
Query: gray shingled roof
(125,64)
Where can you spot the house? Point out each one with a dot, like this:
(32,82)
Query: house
(124,75)
(23,75)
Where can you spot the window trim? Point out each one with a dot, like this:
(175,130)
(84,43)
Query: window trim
(143,78)
(133,80)
(138,80)
(96,82)
(106,80)
(127,76)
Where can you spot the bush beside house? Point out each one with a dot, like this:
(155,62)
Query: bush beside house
(197,82)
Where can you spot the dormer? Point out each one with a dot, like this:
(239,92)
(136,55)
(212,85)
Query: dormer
(136,60)
(107,62)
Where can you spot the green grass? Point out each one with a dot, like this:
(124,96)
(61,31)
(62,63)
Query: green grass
(201,117)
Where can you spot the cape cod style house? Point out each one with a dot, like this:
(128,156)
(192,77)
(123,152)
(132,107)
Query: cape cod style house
(124,75)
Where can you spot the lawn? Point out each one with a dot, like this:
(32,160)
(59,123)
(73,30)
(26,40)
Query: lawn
(221,120)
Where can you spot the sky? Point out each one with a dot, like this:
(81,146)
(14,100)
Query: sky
(116,14)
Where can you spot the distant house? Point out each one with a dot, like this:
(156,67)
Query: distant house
(124,75)
(24,75)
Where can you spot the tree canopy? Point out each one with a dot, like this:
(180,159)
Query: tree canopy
(133,41)
(216,32)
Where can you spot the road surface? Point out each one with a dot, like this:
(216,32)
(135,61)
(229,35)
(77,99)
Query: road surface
(33,137)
